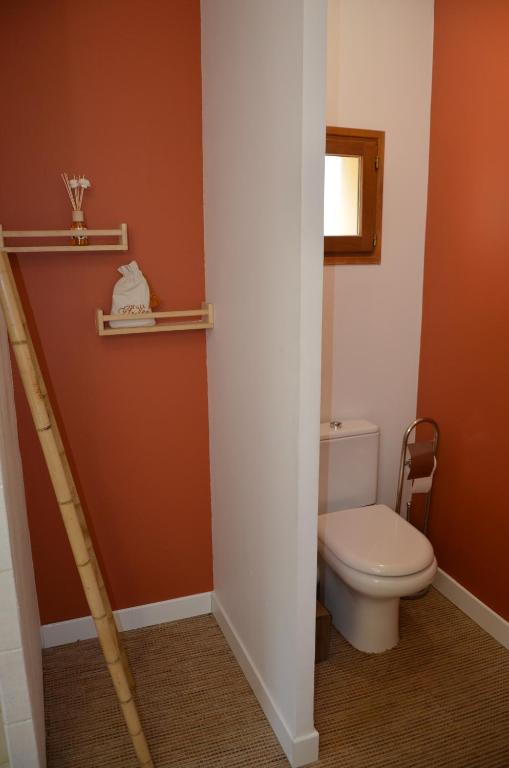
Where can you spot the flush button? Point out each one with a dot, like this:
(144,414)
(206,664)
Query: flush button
(335,425)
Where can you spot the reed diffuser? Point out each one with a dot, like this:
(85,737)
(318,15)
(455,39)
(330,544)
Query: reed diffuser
(75,189)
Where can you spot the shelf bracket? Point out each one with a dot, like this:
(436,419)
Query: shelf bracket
(7,234)
(205,321)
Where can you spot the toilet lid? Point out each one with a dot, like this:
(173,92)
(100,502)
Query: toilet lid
(375,540)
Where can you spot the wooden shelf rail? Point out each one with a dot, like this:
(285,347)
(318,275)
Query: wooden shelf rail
(120,233)
(206,312)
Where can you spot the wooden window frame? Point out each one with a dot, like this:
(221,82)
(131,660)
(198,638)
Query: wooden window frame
(365,248)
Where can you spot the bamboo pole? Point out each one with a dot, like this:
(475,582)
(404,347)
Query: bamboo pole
(70,508)
(70,479)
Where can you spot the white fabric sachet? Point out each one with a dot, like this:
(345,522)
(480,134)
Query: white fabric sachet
(131,296)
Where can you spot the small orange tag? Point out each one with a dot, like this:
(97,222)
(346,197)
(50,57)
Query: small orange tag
(154,298)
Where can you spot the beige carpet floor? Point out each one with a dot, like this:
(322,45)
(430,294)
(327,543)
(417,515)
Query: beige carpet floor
(440,700)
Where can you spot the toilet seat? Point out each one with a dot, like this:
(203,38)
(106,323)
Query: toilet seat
(374,540)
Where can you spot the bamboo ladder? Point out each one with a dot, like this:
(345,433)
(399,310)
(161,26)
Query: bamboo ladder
(70,508)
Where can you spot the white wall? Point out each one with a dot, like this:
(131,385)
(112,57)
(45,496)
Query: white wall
(379,76)
(21,692)
(263,68)
(4,757)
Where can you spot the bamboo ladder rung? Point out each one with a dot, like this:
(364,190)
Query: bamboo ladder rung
(70,508)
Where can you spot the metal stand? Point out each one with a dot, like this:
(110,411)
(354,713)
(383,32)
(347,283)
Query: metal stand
(405,463)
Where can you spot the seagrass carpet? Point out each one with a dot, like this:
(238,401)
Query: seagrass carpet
(439,700)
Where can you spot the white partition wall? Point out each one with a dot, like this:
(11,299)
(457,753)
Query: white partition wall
(21,692)
(4,757)
(263,68)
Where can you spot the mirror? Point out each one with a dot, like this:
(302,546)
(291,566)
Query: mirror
(342,198)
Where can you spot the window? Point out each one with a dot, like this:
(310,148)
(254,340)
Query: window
(353,196)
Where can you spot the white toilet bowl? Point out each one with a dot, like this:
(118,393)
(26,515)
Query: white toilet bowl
(370,557)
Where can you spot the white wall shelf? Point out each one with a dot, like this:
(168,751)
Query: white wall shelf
(40,234)
(205,321)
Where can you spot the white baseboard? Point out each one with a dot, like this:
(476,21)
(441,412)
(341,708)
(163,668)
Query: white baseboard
(479,612)
(300,751)
(138,616)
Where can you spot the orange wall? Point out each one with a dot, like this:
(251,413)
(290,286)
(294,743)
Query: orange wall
(464,370)
(113,90)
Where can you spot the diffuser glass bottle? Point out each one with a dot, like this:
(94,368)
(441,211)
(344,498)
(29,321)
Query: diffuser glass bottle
(78,223)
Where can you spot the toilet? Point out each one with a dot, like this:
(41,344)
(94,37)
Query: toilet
(368,556)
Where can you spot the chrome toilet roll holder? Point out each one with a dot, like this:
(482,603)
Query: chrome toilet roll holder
(404,463)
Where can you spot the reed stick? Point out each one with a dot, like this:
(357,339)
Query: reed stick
(65,179)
